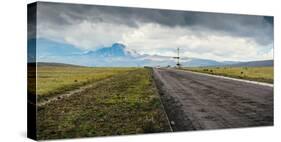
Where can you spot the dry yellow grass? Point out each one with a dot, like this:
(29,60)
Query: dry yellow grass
(126,103)
(52,80)
(262,74)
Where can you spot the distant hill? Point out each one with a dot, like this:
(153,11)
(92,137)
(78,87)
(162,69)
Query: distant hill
(195,62)
(55,64)
(254,63)
(117,55)
(47,47)
(116,50)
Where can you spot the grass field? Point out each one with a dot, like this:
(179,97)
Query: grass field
(53,80)
(124,103)
(261,74)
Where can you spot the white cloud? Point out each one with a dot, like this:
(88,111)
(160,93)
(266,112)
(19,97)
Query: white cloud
(153,38)
(84,35)
(162,40)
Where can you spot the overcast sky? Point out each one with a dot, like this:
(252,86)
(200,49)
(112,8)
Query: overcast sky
(215,36)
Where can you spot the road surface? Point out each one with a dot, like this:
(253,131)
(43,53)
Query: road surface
(199,102)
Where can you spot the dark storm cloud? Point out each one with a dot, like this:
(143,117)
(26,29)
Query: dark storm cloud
(31,18)
(259,28)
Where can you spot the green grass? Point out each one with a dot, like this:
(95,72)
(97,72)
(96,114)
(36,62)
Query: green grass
(53,80)
(126,103)
(261,74)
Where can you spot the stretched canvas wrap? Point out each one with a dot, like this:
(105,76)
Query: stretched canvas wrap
(104,70)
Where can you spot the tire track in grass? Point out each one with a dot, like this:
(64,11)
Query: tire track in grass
(70,93)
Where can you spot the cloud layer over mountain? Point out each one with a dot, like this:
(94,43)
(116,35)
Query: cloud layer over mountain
(150,31)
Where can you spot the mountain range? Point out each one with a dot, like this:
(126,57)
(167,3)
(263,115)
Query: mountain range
(116,55)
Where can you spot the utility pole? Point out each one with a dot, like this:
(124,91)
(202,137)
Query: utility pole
(178,58)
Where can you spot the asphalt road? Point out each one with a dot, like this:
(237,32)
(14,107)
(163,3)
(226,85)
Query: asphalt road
(199,102)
